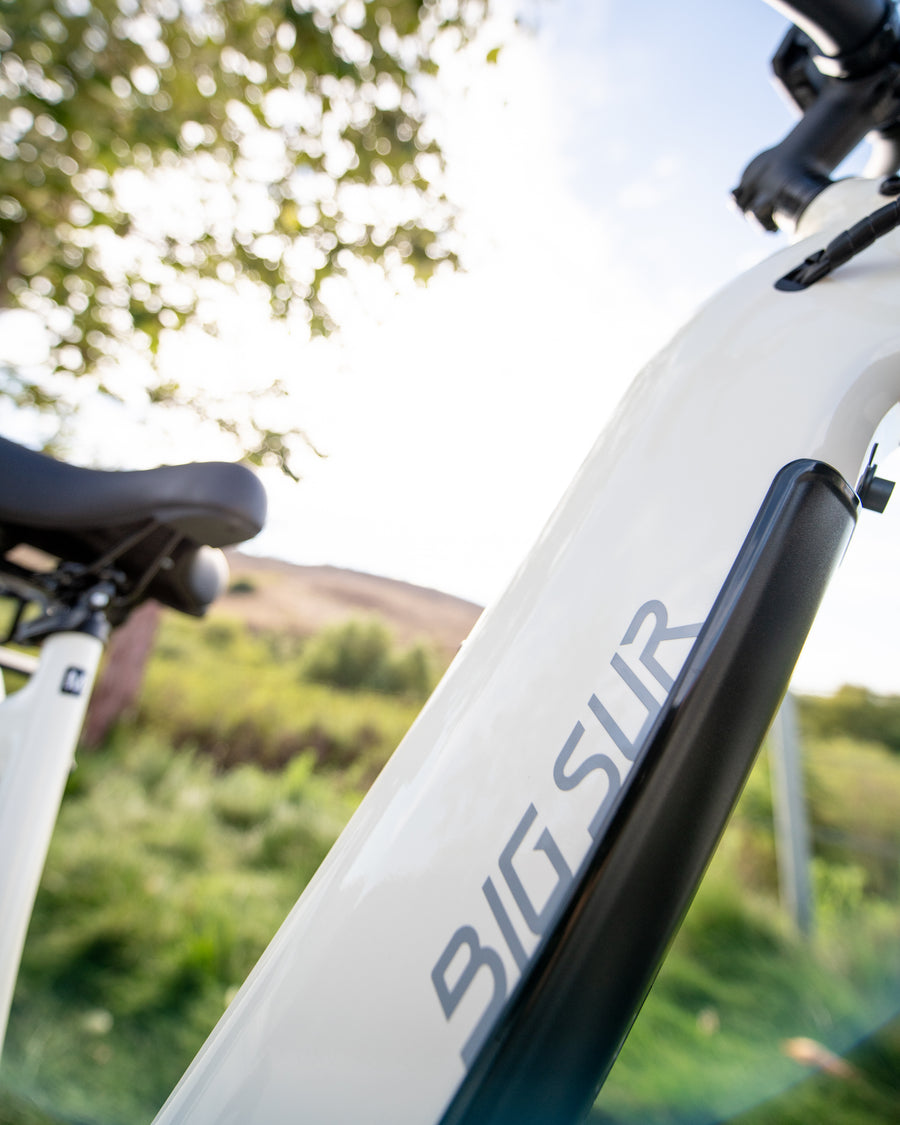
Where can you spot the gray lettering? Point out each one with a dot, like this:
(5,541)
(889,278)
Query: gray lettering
(538,920)
(505,924)
(661,632)
(481,956)
(450,996)
(594,762)
(628,747)
(566,781)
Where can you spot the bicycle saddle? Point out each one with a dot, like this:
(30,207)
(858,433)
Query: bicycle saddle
(149,525)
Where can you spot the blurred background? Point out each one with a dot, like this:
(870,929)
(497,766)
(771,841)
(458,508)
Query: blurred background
(411,254)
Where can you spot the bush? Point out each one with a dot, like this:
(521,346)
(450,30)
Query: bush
(236,696)
(242,586)
(360,655)
(855,712)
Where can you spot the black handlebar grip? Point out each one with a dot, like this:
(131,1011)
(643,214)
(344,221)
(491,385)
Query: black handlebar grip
(837,27)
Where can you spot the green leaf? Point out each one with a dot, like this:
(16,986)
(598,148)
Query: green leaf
(181,105)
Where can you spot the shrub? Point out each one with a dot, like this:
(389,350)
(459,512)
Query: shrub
(855,712)
(242,586)
(360,655)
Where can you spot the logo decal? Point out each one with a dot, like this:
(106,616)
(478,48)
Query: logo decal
(73,681)
(466,954)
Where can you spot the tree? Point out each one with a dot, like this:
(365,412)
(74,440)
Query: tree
(284,142)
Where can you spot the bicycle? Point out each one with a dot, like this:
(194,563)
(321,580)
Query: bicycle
(497,908)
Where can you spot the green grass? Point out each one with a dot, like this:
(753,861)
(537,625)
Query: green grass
(164,883)
(240,697)
(184,841)
(15,1110)
(868,1095)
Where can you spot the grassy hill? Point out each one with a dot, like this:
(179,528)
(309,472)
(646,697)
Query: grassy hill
(274,596)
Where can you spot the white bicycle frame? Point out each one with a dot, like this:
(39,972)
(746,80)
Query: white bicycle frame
(523,857)
(477,943)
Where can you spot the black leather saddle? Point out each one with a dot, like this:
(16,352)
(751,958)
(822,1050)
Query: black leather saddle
(149,526)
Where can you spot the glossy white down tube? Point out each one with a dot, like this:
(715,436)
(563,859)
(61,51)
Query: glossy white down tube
(39,727)
(375,994)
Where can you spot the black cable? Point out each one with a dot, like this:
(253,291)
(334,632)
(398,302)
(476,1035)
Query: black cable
(841,249)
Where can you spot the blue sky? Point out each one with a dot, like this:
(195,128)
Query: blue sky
(673,99)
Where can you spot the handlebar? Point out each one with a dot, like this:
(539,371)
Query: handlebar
(841,65)
(837,27)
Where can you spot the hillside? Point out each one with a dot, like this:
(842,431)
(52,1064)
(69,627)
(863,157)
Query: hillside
(272,595)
